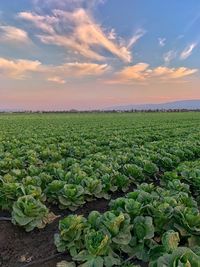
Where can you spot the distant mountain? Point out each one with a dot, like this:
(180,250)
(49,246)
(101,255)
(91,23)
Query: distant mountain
(185,104)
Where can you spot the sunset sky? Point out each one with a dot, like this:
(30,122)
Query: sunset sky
(58,55)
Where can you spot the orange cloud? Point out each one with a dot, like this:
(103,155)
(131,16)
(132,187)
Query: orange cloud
(172,73)
(60,73)
(136,72)
(79,32)
(21,69)
(142,73)
(82,69)
(18,69)
(13,34)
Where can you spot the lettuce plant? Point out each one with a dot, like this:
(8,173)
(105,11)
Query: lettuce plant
(36,192)
(170,240)
(143,227)
(70,237)
(93,188)
(29,213)
(53,190)
(187,220)
(134,172)
(181,257)
(118,227)
(9,193)
(122,182)
(71,197)
(97,252)
(150,168)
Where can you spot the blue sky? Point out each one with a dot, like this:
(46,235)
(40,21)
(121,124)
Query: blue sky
(92,54)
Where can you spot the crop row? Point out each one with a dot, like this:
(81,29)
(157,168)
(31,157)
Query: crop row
(70,184)
(152,224)
(68,161)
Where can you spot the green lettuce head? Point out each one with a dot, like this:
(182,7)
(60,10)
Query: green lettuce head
(29,213)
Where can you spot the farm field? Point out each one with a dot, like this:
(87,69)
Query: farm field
(105,189)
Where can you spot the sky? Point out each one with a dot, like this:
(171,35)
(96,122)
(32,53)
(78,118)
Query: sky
(92,54)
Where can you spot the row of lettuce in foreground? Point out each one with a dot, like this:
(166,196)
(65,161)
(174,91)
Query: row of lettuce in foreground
(70,182)
(30,199)
(15,191)
(151,224)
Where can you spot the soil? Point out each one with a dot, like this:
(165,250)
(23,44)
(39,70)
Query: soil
(18,248)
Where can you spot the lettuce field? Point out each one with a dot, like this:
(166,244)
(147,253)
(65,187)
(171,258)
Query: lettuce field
(104,189)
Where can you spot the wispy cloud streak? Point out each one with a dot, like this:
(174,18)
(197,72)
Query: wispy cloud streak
(142,73)
(169,56)
(78,31)
(187,52)
(139,33)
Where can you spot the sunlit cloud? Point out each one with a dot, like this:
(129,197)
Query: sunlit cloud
(78,31)
(187,52)
(45,23)
(13,34)
(142,73)
(74,70)
(18,69)
(23,69)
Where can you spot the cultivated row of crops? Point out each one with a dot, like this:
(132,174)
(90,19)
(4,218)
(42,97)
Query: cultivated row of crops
(69,160)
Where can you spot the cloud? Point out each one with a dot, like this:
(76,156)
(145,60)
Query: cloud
(169,56)
(135,72)
(162,41)
(45,23)
(22,69)
(74,70)
(82,69)
(78,31)
(139,33)
(192,23)
(56,79)
(18,69)
(172,73)
(187,52)
(142,73)
(13,34)
(112,35)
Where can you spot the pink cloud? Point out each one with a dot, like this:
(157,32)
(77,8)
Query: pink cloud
(78,31)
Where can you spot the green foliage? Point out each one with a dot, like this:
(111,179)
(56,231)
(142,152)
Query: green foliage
(134,172)
(67,160)
(71,196)
(71,231)
(183,257)
(97,252)
(170,240)
(117,226)
(9,193)
(29,213)
(143,227)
